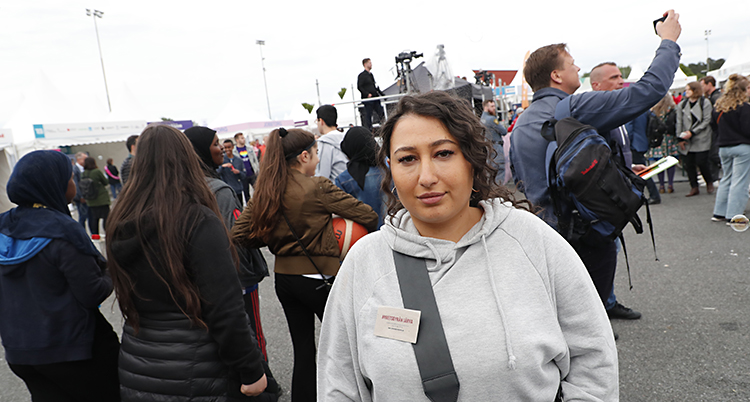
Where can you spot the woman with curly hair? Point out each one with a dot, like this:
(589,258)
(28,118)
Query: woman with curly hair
(520,316)
(732,120)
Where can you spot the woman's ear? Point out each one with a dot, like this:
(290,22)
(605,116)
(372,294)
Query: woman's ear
(304,157)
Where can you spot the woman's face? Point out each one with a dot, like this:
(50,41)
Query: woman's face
(70,193)
(217,153)
(688,92)
(433,179)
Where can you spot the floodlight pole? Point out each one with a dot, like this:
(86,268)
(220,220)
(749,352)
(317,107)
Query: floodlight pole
(100,14)
(707,33)
(260,44)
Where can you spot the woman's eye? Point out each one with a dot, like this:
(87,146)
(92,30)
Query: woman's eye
(406,159)
(444,153)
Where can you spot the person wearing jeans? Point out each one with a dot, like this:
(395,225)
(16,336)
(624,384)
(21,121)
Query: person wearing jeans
(732,196)
(732,121)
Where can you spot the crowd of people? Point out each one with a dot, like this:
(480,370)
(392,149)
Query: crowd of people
(463,288)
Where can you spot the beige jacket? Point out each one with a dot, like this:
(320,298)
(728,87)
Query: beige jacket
(310,201)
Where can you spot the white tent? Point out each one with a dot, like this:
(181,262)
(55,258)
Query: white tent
(738,62)
(681,80)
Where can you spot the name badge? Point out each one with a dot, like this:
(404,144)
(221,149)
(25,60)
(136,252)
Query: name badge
(397,323)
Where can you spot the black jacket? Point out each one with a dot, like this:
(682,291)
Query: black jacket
(366,84)
(733,127)
(170,360)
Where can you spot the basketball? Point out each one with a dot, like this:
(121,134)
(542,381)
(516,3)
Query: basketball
(347,233)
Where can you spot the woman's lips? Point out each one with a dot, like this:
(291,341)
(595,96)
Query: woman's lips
(431,198)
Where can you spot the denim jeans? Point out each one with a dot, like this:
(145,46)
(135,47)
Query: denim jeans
(116,188)
(732,196)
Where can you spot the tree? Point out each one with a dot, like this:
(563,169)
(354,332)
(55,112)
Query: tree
(699,69)
(166,119)
(625,71)
(308,107)
(342,92)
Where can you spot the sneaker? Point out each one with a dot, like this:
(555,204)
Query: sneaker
(623,313)
(718,218)
(654,201)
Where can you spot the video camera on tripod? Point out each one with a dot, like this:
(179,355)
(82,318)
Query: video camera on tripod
(407,56)
(404,72)
(484,77)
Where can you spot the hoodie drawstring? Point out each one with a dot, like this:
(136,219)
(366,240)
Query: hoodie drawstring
(508,344)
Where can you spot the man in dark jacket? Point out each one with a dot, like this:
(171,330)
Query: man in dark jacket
(553,75)
(607,77)
(232,171)
(708,83)
(125,168)
(368,89)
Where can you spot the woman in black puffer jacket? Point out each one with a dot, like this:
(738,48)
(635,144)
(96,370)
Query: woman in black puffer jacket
(186,335)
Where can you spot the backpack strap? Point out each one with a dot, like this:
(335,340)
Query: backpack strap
(439,378)
(563,108)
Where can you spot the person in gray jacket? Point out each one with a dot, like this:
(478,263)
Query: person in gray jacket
(553,75)
(693,127)
(521,319)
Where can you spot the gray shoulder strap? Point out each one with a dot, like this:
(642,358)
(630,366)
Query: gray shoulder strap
(439,378)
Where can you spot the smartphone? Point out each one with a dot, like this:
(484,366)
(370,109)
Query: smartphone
(656,21)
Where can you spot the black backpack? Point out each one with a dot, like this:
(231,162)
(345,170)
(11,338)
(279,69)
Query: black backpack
(655,130)
(594,195)
(658,127)
(88,188)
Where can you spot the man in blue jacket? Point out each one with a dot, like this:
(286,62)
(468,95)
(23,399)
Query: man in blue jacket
(553,76)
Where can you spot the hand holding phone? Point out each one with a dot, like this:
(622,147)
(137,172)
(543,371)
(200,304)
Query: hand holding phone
(668,26)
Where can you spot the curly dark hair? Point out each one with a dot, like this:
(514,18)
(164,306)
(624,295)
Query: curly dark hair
(459,119)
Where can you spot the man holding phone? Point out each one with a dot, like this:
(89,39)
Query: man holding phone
(553,75)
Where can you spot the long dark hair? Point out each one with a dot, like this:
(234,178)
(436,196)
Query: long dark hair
(165,191)
(458,118)
(282,149)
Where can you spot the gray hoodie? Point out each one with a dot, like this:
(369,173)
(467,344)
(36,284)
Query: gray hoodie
(519,310)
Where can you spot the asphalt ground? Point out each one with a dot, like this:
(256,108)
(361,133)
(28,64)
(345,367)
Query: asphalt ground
(692,344)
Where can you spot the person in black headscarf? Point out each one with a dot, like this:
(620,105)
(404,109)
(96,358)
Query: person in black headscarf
(362,177)
(253,267)
(53,279)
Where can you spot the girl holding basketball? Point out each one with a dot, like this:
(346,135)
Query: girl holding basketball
(296,226)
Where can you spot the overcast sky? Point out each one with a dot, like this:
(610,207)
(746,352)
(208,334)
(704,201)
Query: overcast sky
(189,60)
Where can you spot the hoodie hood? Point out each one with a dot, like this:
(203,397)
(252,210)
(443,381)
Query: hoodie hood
(402,235)
(332,138)
(15,251)
(440,255)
